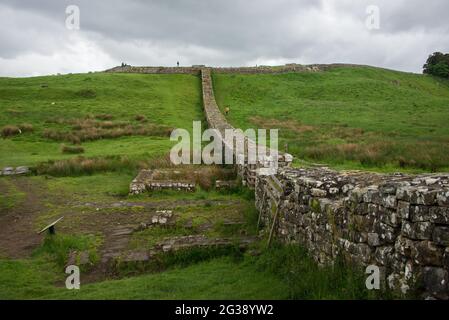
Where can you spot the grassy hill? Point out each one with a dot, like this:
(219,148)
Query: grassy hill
(105,114)
(348,117)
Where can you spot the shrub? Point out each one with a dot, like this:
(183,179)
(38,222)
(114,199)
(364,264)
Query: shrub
(104,116)
(58,247)
(87,131)
(306,280)
(9,131)
(86,93)
(26,127)
(140,118)
(72,149)
(81,165)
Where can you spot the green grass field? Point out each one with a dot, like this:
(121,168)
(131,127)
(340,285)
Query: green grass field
(49,103)
(347,117)
(113,124)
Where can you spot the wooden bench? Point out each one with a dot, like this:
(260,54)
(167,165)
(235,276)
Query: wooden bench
(51,227)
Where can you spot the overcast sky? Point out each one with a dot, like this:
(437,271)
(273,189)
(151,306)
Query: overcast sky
(35,40)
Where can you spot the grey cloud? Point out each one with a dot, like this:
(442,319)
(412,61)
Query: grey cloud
(234,32)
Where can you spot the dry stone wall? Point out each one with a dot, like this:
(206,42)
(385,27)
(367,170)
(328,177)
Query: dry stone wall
(155,70)
(399,223)
(216,120)
(292,67)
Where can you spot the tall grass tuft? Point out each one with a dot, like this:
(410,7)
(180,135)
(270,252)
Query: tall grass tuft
(9,131)
(306,280)
(71,149)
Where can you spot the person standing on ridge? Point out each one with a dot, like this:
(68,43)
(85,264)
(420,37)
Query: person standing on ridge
(177,63)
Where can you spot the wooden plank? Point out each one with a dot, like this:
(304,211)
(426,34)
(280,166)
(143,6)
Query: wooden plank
(50,225)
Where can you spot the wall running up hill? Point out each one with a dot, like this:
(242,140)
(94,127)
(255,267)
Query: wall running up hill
(399,223)
(217,120)
(292,67)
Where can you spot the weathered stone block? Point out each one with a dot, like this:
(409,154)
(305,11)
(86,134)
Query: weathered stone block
(373,209)
(403,246)
(315,192)
(384,255)
(387,234)
(373,239)
(441,235)
(427,253)
(439,215)
(442,198)
(372,195)
(436,281)
(389,201)
(356,194)
(405,193)
(419,213)
(390,217)
(446,258)
(403,210)
(417,230)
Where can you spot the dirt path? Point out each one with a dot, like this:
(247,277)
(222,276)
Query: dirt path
(18,236)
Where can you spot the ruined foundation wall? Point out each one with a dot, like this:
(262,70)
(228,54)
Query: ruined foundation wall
(216,120)
(399,223)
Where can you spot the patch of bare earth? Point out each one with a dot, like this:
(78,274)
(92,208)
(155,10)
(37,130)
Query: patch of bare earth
(18,236)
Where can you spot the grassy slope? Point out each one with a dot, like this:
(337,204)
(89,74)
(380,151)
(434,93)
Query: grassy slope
(279,273)
(161,98)
(172,100)
(217,279)
(283,272)
(348,117)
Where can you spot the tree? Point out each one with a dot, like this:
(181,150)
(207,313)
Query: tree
(438,65)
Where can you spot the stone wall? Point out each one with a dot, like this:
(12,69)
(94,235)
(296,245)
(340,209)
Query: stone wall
(292,67)
(217,120)
(156,70)
(150,180)
(399,223)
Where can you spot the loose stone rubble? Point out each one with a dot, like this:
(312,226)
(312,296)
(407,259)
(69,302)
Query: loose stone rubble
(161,218)
(10,171)
(225,185)
(398,222)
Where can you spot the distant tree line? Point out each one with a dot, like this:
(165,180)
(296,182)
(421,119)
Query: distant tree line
(438,65)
